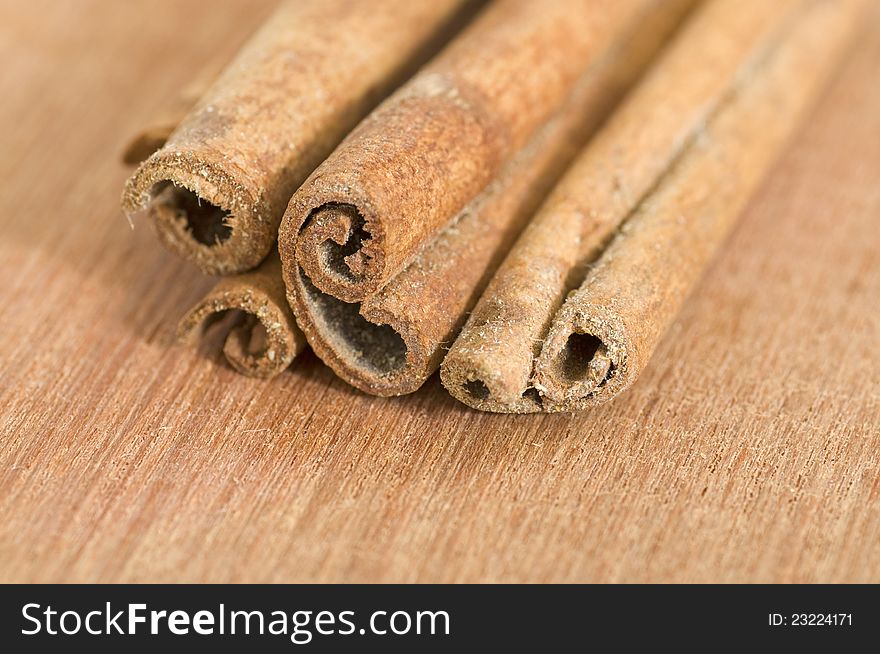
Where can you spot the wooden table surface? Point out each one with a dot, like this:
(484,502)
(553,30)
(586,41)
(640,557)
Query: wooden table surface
(748,451)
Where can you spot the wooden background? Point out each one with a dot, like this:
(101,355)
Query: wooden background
(748,451)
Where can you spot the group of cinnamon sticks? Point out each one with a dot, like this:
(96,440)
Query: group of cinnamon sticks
(521,194)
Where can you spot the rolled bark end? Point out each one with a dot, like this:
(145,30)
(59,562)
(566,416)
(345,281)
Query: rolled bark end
(485,389)
(262,338)
(365,346)
(251,350)
(198,211)
(259,342)
(248,343)
(585,360)
(337,251)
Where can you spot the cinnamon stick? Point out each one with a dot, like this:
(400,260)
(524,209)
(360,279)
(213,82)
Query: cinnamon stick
(264,338)
(674,211)
(433,146)
(218,188)
(394,340)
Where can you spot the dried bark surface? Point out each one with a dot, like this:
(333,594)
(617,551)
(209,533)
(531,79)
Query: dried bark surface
(728,110)
(745,452)
(435,144)
(217,189)
(390,343)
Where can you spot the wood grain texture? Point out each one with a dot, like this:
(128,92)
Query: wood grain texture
(748,450)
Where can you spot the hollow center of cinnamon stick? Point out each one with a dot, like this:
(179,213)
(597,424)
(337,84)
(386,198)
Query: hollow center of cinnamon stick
(476,389)
(258,339)
(342,252)
(377,349)
(242,330)
(208,224)
(573,363)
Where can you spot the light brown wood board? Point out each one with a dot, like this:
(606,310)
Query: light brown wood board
(748,451)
